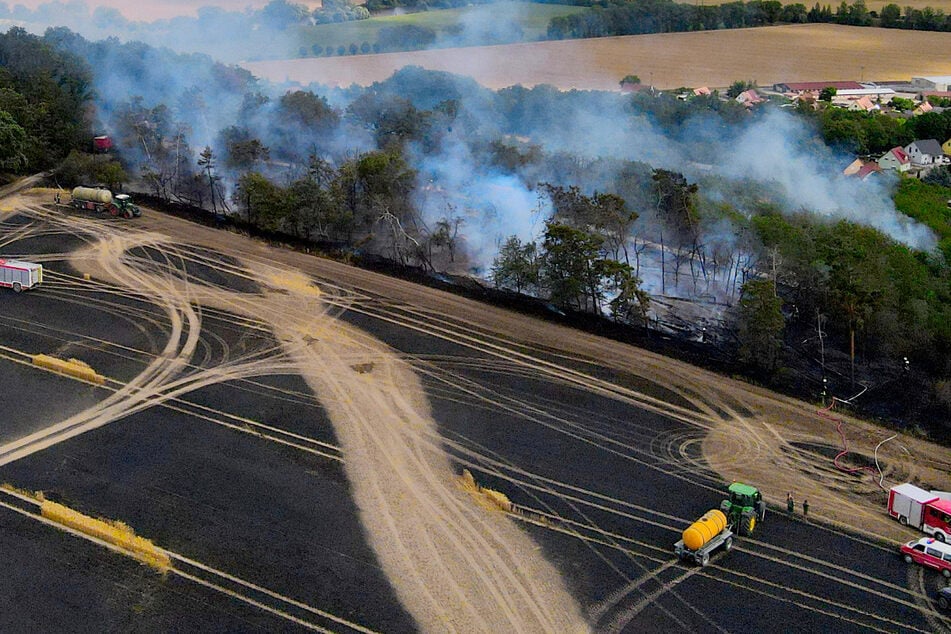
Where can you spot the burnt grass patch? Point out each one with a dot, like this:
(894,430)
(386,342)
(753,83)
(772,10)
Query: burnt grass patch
(43,244)
(79,324)
(52,579)
(268,514)
(203,266)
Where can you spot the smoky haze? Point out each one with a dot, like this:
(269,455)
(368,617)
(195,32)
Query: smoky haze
(228,30)
(583,138)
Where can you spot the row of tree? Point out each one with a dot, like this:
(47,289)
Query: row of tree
(633,17)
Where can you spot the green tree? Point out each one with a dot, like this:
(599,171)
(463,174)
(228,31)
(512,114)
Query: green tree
(112,174)
(738,87)
(573,267)
(630,303)
(630,79)
(13,140)
(890,16)
(264,202)
(761,326)
(901,103)
(517,266)
(827,93)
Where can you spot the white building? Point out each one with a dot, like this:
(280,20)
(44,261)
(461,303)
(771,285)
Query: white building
(939,82)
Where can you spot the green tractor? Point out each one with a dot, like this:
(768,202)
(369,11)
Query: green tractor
(744,509)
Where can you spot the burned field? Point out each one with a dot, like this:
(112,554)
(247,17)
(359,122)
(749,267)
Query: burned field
(267,419)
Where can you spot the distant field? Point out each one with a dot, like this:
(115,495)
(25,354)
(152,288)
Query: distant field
(807,52)
(533,19)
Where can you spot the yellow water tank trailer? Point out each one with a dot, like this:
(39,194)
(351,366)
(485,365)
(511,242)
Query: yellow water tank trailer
(704,529)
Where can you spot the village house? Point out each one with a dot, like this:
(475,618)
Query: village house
(895,159)
(863,104)
(862,169)
(926,152)
(749,98)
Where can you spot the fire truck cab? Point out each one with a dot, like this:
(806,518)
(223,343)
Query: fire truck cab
(922,509)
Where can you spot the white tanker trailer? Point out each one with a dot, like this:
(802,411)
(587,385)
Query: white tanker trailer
(100,199)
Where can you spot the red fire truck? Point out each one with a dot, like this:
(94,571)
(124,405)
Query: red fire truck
(20,276)
(922,509)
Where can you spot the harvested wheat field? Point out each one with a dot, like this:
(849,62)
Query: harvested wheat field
(807,52)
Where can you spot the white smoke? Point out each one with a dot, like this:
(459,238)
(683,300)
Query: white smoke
(779,150)
(492,206)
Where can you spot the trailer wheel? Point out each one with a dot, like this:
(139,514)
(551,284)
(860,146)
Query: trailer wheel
(940,536)
(902,520)
(946,573)
(17,287)
(908,559)
(705,560)
(943,603)
(728,544)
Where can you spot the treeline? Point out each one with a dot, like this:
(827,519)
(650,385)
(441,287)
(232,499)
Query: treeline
(635,17)
(44,96)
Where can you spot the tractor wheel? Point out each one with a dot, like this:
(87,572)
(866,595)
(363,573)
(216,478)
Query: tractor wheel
(728,544)
(17,287)
(761,510)
(908,559)
(128,214)
(747,524)
(946,573)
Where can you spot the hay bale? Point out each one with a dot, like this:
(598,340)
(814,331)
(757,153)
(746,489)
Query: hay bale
(72,367)
(113,532)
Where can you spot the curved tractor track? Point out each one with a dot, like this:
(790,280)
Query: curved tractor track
(455,566)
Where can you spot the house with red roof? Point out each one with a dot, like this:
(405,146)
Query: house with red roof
(863,104)
(895,159)
(749,98)
(862,169)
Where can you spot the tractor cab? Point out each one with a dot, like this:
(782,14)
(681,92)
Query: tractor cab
(126,207)
(744,509)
